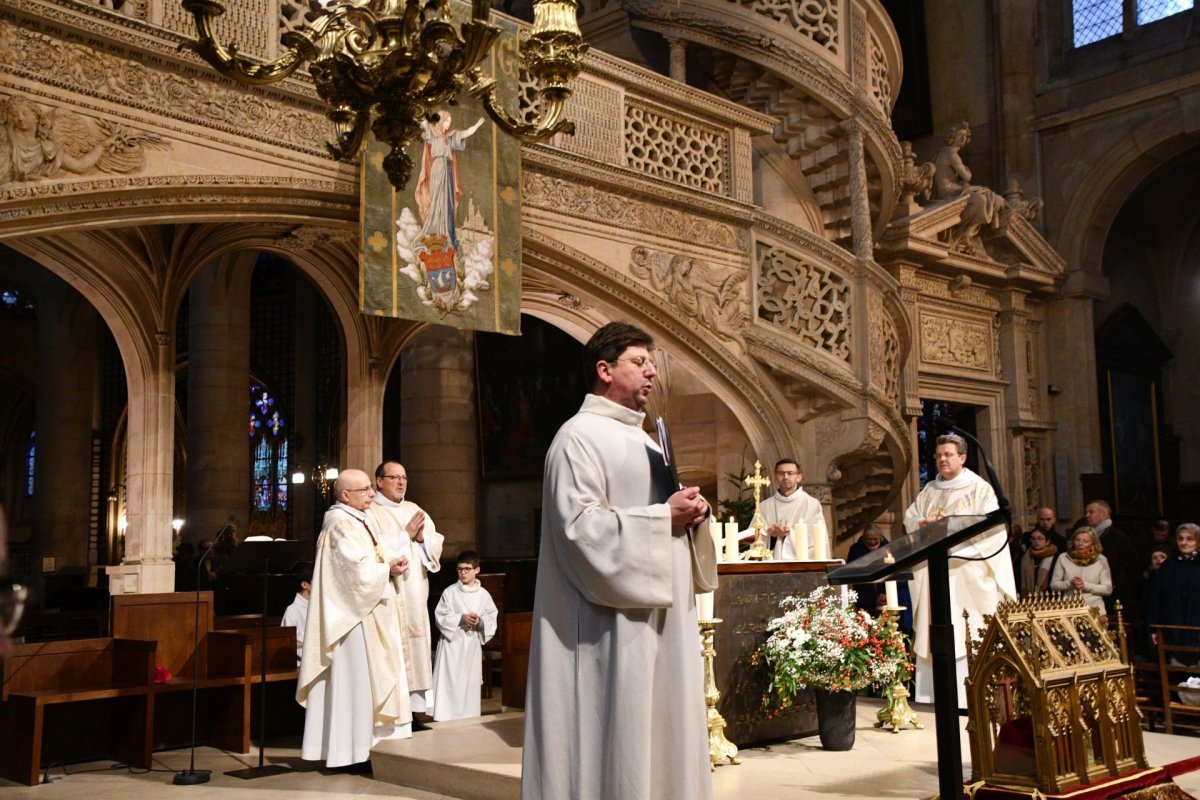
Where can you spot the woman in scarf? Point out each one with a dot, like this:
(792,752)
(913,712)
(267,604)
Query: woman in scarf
(1085,570)
(1034,568)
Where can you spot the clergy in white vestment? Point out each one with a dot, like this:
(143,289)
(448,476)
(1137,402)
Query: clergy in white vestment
(352,681)
(408,531)
(466,619)
(975,586)
(615,701)
(788,506)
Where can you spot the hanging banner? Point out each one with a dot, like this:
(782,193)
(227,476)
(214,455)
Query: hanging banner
(447,248)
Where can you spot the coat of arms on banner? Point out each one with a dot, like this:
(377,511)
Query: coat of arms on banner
(447,248)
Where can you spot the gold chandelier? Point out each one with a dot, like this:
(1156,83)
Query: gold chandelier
(396,60)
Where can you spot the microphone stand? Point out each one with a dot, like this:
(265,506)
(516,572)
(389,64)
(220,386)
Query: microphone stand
(192,776)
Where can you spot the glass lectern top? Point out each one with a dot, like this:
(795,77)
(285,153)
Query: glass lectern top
(905,552)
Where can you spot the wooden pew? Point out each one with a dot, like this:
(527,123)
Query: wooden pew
(222,664)
(74,701)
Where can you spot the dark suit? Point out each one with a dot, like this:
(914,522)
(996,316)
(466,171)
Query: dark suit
(1126,574)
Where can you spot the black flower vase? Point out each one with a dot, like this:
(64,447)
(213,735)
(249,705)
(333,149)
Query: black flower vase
(836,718)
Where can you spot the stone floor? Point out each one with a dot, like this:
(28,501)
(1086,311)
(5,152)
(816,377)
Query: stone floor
(881,765)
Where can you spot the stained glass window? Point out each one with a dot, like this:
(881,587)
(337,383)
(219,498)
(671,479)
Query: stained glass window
(29,463)
(1154,10)
(269,452)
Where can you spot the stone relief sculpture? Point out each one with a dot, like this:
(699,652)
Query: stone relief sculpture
(912,181)
(952,179)
(710,295)
(37,143)
(1029,209)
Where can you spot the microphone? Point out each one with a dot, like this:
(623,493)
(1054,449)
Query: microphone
(192,776)
(945,424)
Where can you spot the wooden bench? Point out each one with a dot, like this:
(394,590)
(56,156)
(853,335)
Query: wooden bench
(74,701)
(221,666)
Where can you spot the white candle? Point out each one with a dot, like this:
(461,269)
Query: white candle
(820,542)
(893,597)
(845,594)
(704,606)
(800,542)
(714,530)
(731,541)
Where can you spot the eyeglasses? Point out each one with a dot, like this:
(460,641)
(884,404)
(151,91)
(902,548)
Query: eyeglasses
(12,605)
(641,362)
(394,477)
(466,569)
(364,489)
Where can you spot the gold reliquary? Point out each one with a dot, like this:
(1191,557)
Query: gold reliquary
(1051,699)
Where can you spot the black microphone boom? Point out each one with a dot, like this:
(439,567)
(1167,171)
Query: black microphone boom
(191,776)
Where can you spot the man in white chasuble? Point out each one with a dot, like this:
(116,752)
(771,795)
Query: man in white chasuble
(352,681)
(408,531)
(976,586)
(615,700)
(783,510)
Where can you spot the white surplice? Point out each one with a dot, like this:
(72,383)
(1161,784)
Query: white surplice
(975,586)
(458,668)
(791,509)
(423,557)
(294,616)
(615,700)
(352,680)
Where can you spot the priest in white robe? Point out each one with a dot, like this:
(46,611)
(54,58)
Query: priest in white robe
(615,700)
(466,618)
(352,681)
(975,586)
(787,507)
(408,531)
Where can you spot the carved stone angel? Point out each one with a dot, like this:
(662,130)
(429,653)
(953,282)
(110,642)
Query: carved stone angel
(706,293)
(36,144)
(952,179)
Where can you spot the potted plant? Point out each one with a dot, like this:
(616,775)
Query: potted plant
(825,643)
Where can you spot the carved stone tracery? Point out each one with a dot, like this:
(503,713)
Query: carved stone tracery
(815,19)
(806,299)
(885,350)
(689,153)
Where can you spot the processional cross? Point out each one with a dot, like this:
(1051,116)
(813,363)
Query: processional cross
(759,551)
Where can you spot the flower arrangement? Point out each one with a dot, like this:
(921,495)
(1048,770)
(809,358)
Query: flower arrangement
(824,642)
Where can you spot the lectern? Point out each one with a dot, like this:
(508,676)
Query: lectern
(931,545)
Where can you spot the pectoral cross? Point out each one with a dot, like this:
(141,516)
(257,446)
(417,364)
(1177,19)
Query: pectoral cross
(759,551)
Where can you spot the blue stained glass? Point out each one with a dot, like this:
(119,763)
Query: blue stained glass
(30,458)
(269,454)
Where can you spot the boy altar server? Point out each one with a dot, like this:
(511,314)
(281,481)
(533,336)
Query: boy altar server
(466,618)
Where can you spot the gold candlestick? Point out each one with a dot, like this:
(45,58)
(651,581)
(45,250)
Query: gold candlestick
(896,713)
(759,550)
(718,746)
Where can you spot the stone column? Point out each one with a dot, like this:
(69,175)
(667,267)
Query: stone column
(218,374)
(147,567)
(439,440)
(678,60)
(1071,369)
(860,202)
(68,343)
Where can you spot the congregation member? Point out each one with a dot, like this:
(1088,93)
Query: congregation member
(1173,597)
(409,531)
(977,586)
(615,700)
(1158,536)
(787,507)
(466,619)
(1123,562)
(1036,564)
(1085,570)
(352,681)
(872,597)
(1047,523)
